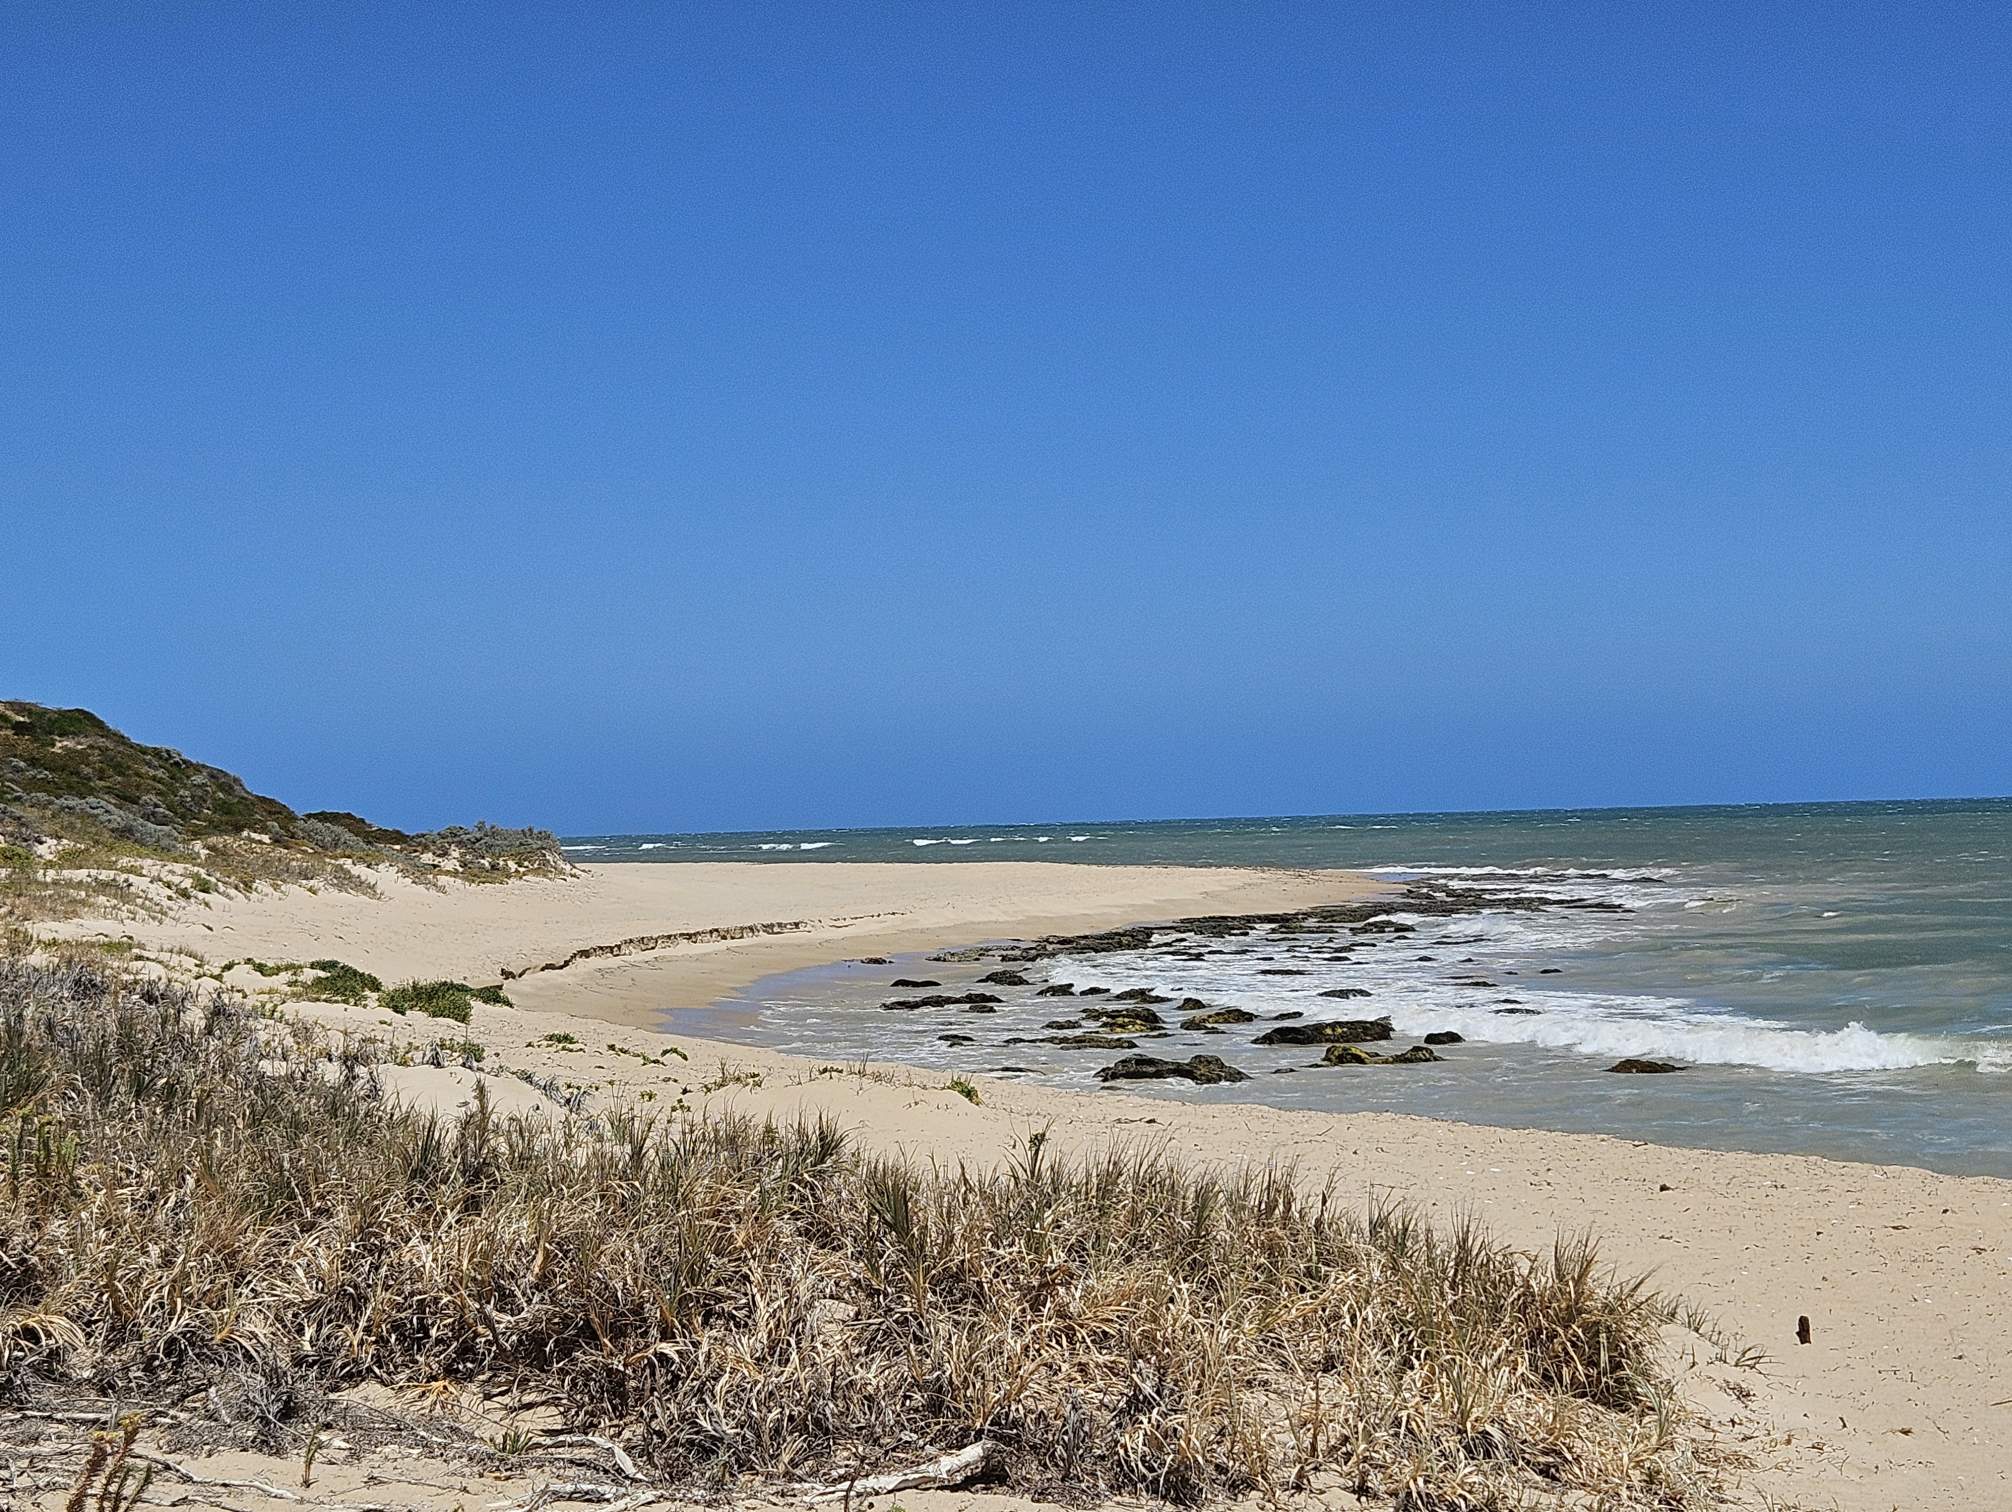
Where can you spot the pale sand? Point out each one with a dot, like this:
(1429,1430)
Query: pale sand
(1904,1400)
(829,910)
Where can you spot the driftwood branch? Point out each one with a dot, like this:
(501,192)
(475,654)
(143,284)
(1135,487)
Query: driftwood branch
(949,1470)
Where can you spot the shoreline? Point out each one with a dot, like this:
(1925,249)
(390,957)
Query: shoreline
(1897,1401)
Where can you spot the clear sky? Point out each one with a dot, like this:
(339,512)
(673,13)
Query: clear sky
(687,416)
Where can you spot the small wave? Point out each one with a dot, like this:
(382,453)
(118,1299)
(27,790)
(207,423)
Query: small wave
(962,842)
(925,842)
(654,845)
(814,844)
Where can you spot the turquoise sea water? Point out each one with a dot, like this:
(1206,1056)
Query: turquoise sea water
(1836,978)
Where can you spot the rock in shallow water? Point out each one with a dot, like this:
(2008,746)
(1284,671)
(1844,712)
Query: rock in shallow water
(1005,977)
(1205,1017)
(913,982)
(1346,992)
(1205,1070)
(1332,1032)
(942,1000)
(1633,1067)
(1445,1037)
(1355,1055)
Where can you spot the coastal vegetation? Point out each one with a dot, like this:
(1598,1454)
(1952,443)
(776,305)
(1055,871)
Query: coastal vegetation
(202,1204)
(91,819)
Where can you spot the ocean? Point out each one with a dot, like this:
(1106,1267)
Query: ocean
(1835,979)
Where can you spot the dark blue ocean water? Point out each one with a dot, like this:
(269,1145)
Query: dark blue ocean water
(1837,978)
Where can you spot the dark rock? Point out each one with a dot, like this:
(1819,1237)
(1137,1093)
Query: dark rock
(1139,995)
(955,1039)
(1346,992)
(1511,1012)
(1445,1037)
(941,1000)
(1094,1042)
(1633,1067)
(1474,982)
(1280,971)
(1333,1032)
(874,961)
(1290,1013)
(1006,976)
(980,1008)
(1385,927)
(1057,989)
(1063,1024)
(1091,991)
(1205,1070)
(913,982)
(1549,971)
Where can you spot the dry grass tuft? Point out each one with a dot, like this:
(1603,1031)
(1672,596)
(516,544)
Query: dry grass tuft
(192,1195)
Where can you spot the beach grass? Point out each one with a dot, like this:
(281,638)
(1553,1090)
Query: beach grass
(196,1197)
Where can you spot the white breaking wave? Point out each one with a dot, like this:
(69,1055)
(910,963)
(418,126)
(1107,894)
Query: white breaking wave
(1668,1029)
(925,842)
(815,844)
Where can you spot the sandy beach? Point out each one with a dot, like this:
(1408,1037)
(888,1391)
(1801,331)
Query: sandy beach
(1901,1400)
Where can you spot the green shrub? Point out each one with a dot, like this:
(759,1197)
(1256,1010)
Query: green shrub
(447,1000)
(490,995)
(16,855)
(342,983)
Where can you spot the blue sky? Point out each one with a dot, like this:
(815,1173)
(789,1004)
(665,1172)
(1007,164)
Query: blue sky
(638,417)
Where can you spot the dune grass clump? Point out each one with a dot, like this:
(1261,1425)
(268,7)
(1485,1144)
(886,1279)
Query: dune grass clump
(191,1195)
